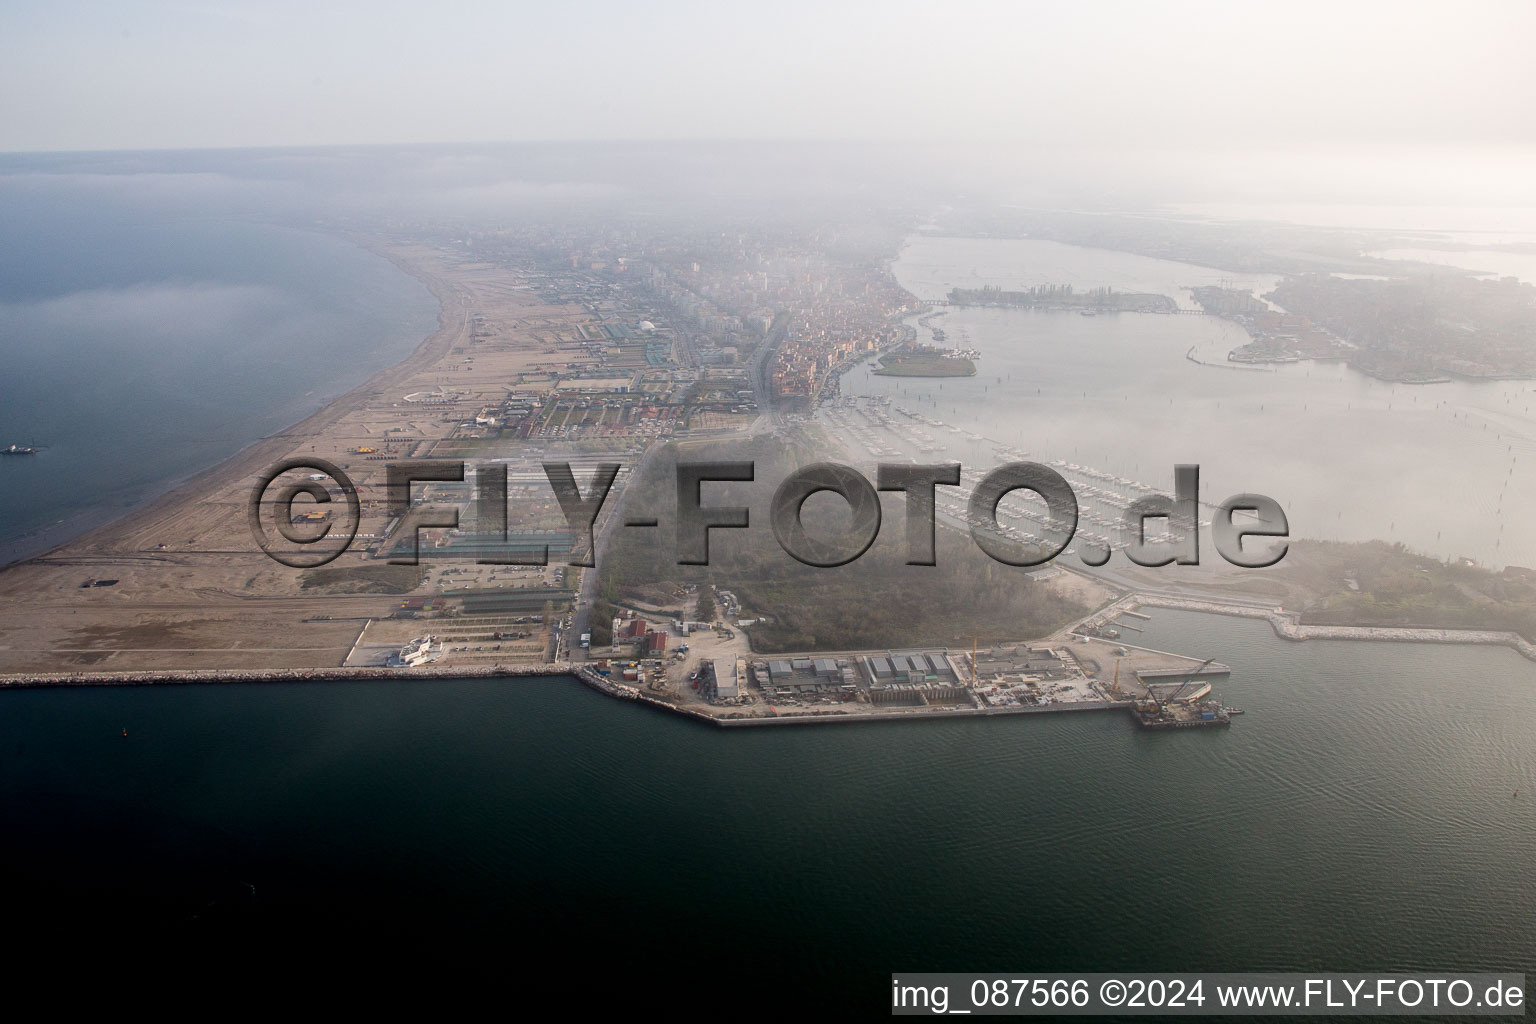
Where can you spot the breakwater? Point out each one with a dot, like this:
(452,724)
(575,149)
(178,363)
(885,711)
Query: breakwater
(1289,626)
(1249,367)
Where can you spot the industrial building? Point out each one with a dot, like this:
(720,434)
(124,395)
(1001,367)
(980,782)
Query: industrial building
(647,640)
(915,677)
(727,680)
(797,677)
(1042,663)
(895,677)
(911,668)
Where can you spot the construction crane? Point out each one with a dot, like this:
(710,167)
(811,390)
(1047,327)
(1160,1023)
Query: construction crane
(974,640)
(1188,680)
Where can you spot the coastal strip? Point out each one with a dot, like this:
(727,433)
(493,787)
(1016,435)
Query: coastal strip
(419,673)
(582,673)
(1285,624)
(185,677)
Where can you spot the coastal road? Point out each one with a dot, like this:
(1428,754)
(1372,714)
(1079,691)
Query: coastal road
(581,615)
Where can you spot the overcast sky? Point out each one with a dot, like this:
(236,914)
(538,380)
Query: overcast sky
(152,75)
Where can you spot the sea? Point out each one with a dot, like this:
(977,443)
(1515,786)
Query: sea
(142,344)
(1374,808)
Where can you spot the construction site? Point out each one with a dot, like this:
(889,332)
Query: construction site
(709,671)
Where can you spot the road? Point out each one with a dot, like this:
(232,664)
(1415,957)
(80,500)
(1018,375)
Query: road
(769,419)
(581,615)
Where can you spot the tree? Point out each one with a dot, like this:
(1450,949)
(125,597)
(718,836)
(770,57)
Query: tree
(705,611)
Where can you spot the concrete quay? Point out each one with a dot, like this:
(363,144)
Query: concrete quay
(1289,626)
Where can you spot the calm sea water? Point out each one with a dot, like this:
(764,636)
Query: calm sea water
(142,344)
(1362,815)
(1444,468)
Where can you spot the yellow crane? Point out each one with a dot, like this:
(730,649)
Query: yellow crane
(976,639)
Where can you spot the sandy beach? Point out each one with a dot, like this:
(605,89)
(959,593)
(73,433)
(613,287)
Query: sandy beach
(193,590)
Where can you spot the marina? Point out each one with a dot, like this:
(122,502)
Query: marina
(873,428)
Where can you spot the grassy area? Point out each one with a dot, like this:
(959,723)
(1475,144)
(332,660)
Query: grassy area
(363,579)
(875,601)
(1380,584)
(924,366)
(879,601)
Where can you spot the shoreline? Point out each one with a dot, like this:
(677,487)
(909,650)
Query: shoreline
(1286,625)
(105,537)
(555,670)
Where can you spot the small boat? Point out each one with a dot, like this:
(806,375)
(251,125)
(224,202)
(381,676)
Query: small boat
(125,732)
(18,449)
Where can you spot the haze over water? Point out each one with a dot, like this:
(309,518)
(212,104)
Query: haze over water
(1445,468)
(139,347)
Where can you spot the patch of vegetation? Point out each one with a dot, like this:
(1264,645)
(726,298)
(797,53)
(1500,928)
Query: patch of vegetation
(600,622)
(924,365)
(363,579)
(1063,296)
(1421,327)
(879,601)
(1380,584)
(875,601)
